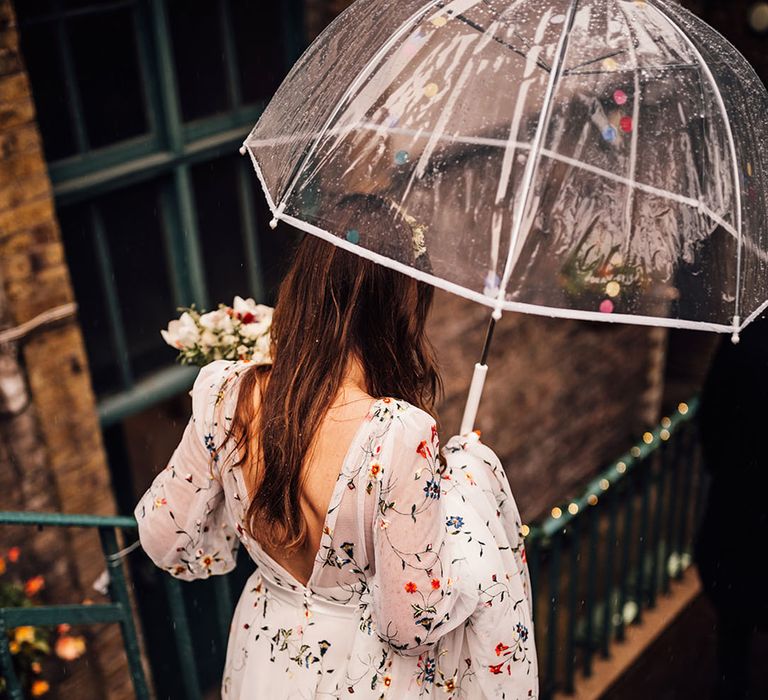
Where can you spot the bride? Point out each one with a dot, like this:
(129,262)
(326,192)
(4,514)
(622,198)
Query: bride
(385,566)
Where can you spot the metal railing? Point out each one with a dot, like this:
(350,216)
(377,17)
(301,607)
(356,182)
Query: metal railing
(116,611)
(600,560)
(632,525)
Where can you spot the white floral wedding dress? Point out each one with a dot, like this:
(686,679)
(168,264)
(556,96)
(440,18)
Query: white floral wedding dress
(420,587)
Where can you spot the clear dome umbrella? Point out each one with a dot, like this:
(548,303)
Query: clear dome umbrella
(602,160)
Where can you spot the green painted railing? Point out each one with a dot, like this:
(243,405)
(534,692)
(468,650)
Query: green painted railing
(600,560)
(597,562)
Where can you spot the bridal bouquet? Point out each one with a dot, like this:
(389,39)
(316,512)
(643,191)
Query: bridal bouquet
(237,332)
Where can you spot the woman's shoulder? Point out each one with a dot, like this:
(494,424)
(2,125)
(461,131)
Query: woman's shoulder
(405,418)
(215,391)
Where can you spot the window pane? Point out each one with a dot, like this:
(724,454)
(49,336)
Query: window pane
(220,226)
(275,247)
(134,230)
(77,235)
(40,48)
(199,57)
(107,67)
(260,46)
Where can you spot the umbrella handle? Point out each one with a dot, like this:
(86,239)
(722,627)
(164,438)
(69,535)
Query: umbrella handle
(473,400)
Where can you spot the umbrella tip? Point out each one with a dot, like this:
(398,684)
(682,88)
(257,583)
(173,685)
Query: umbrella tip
(242,150)
(273,224)
(736,329)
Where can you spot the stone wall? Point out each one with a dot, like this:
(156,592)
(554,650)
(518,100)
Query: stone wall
(51,457)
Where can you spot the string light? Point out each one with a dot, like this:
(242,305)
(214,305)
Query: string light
(664,434)
(666,422)
(604,484)
(556,512)
(621,467)
(592,500)
(647,438)
(758,17)
(682,408)
(635,451)
(573,508)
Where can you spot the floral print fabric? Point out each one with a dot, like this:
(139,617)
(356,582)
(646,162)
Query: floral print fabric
(420,587)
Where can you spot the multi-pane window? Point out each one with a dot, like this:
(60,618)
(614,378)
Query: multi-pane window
(142,105)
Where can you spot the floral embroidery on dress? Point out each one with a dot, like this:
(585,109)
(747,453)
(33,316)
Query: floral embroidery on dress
(420,586)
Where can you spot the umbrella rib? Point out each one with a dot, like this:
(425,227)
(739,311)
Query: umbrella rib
(630,201)
(732,147)
(479,28)
(533,159)
(358,80)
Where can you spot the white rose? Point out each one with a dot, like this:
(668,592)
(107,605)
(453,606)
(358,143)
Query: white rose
(217,321)
(252,331)
(244,306)
(182,333)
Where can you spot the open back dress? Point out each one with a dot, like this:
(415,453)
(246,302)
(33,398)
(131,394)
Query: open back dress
(419,588)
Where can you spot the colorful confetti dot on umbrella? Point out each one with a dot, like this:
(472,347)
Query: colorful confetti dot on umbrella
(606,306)
(613,288)
(439,21)
(353,235)
(431,89)
(401,157)
(626,124)
(620,97)
(610,64)
(609,133)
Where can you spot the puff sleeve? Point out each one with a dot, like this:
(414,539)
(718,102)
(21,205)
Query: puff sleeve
(415,597)
(184,525)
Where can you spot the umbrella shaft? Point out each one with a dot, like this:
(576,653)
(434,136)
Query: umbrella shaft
(488,339)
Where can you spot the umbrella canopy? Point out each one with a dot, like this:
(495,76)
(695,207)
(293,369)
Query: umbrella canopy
(593,159)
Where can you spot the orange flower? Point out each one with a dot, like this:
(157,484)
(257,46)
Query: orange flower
(13,554)
(34,585)
(39,687)
(496,668)
(24,634)
(69,648)
(422,449)
(411,587)
(435,583)
(500,647)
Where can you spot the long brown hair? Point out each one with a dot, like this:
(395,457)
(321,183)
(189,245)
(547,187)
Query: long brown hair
(332,306)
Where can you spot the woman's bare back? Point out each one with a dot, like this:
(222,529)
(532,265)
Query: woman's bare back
(332,443)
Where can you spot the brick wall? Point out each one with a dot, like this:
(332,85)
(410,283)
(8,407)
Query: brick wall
(52,457)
